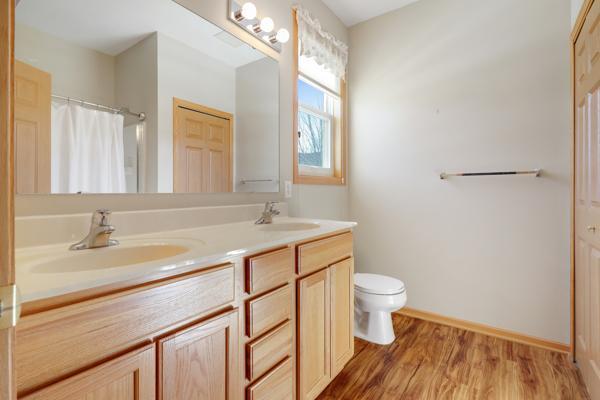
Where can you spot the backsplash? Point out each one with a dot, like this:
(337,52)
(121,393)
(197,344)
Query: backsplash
(52,229)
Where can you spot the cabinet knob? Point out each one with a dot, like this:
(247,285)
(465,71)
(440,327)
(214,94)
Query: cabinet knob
(591,229)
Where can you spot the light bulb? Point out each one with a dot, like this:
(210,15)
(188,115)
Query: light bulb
(249,10)
(266,24)
(282,36)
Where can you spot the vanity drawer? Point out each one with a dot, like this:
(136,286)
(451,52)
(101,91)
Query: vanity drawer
(270,270)
(275,385)
(265,352)
(322,253)
(56,343)
(268,311)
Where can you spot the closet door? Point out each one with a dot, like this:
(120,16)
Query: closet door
(202,139)
(587,200)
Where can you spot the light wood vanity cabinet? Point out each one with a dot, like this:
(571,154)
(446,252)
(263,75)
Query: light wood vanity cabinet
(200,362)
(129,377)
(325,313)
(314,338)
(342,314)
(272,326)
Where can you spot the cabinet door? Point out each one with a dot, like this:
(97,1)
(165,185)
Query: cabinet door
(342,314)
(201,362)
(130,377)
(314,359)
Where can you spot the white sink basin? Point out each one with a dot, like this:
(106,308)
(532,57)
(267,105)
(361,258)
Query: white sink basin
(289,226)
(108,257)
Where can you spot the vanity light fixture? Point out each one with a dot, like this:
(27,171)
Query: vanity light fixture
(245,16)
(282,36)
(267,25)
(247,11)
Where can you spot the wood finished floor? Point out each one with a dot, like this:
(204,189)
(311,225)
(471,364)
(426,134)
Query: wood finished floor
(432,361)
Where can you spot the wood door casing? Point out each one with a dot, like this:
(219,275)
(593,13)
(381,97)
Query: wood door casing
(201,362)
(129,377)
(342,314)
(314,340)
(202,147)
(32,129)
(587,199)
(7,271)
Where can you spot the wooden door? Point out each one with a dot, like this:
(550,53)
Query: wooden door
(314,355)
(32,129)
(130,377)
(201,362)
(7,271)
(587,200)
(342,314)
(202,140)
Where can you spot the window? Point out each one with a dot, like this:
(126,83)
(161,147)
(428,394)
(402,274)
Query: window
(319,137)
(316,125)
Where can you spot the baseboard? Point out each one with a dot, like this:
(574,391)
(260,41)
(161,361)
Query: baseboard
(486,330)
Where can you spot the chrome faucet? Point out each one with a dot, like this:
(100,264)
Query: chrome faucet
(269,212)
(100,231)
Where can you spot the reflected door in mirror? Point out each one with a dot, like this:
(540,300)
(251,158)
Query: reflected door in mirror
(202,140)
(32,129)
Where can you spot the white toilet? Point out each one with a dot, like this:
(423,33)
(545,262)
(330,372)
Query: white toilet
(376,297)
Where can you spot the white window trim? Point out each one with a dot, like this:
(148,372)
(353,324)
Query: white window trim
(312,170)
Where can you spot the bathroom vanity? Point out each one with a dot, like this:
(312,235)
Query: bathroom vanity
(245,312)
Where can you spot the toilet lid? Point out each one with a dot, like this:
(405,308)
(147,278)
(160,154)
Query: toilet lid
(378,284)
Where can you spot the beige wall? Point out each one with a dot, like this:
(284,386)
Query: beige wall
(466,85)
(311,201)
(137,74)
(256,96)
(76,71)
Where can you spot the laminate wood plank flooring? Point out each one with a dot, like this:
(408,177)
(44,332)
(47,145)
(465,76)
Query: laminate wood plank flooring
(428,361)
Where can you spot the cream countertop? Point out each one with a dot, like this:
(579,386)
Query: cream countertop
(209,245)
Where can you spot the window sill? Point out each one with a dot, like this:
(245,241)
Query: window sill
(319,180)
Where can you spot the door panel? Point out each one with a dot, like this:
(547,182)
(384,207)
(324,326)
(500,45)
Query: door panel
(32,129)
(202,149)
(130,377)
(342,314)
(314,359)
(200,363)
(587,200)
(581,303)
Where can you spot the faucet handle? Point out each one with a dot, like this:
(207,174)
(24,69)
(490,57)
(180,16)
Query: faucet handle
(270,207)
(101,217)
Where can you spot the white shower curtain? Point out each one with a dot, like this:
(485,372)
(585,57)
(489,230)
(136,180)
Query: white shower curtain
(87,150)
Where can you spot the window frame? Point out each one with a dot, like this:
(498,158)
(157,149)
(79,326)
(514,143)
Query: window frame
(316,176)
(308,170)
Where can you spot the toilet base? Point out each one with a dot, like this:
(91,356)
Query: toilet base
(375,327)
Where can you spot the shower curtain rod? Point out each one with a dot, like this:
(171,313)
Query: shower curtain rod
(141,116)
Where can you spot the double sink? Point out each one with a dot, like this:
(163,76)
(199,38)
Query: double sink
(132,252)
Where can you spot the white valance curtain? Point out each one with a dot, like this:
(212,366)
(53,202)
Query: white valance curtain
(320,45)
(87,150)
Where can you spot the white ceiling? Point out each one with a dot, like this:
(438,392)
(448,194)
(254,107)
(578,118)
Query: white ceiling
(352,12)
(112,26)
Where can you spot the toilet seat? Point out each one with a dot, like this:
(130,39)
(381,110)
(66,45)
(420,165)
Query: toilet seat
(378,284)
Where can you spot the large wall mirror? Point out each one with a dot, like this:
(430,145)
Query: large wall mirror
(140,96)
